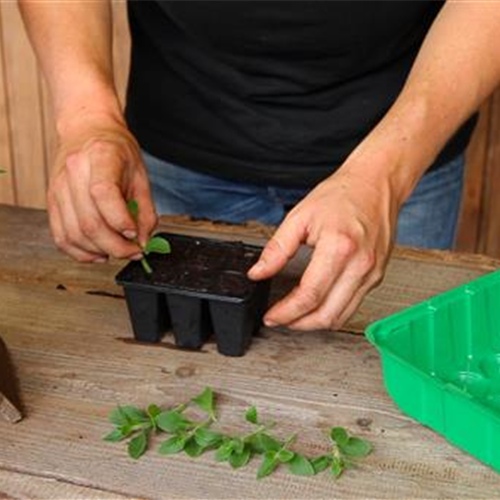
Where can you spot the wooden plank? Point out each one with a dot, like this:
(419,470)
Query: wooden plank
(74,368)
(15,485)
(121,47)
(49,130)
(472,202)
(490,233)
(25,112)
(7,182)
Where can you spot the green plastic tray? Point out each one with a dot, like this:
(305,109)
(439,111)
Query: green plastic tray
(441,364)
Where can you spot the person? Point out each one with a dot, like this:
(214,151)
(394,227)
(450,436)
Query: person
(342,122)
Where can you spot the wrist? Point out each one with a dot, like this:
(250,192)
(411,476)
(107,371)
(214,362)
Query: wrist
(90,104)
(399,149)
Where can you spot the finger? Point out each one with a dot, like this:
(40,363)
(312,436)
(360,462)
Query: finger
(279,249)
(328,262)
(57,230)
(147,217)
(74,236)
(355,281)
(92,224)
(107,169)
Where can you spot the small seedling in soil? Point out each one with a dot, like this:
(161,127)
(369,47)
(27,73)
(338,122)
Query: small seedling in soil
(195,437)
(156,244)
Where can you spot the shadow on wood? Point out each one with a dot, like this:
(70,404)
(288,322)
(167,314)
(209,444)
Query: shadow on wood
(10,399)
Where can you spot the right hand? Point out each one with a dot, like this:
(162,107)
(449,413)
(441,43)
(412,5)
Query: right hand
(98,168)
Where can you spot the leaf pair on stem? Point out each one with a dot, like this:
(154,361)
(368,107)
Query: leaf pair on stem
(155,244)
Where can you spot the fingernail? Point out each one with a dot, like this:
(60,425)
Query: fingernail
(101,260)
(137,256)
(270,323)
(257,268)
(129,234)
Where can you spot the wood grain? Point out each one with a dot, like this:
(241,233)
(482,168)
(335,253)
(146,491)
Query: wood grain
(25,110)
(7,182)
(473,197)
(74,367)
(489,240)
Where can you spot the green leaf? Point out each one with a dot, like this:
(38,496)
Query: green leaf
(238,460)
(268,465)
(337,467)
(172,421)
(263,442)
(206,401)
(115,436)
(238,445)
(356,447)
(153,411)
(133,208)
(224,451)
(300,466)
(193,448)
(285,455)
(206,437)
(321,463)
(138,445)
(339,435)
(173,445)
(125,415)
(251,415)
(157,244)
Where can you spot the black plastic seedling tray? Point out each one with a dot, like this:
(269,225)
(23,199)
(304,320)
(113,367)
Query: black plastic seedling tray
(198,289)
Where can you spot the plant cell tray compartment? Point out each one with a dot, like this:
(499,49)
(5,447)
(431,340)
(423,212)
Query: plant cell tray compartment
(199,289)
(441,364)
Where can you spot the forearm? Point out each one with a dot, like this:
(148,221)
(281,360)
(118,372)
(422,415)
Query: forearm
(457,68)
(73,42)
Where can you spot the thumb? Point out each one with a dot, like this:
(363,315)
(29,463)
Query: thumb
(278,250)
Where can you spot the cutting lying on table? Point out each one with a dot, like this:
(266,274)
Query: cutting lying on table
(195,437)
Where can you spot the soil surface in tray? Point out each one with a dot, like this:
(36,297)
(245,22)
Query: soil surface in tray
(198,265)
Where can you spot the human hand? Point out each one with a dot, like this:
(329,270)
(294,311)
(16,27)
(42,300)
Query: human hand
(350,221)
(98,168)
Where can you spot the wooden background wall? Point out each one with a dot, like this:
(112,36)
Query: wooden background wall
(27,140)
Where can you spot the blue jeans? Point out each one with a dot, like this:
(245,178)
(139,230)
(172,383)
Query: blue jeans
(427,220)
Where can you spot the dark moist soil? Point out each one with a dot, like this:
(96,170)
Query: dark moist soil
(198,265)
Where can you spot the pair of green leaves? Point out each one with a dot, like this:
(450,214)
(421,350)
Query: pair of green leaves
(156,244)
(131,422)
(345,451)
(196,437)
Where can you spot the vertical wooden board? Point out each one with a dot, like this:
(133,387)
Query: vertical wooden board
(49,130)
(7,187)
(121,47)
(489,242)
(25,110)
(472,201)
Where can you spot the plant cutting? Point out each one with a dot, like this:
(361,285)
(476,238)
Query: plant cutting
(155,244)
(195,437)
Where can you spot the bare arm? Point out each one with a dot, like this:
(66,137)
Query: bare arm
(457,68)
(98,165)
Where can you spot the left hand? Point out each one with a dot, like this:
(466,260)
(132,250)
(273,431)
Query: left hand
(350,220)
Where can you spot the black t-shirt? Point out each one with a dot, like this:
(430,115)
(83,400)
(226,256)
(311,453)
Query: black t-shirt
(270,92)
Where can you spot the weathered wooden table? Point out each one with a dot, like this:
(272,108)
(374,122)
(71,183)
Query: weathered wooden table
(66,326)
